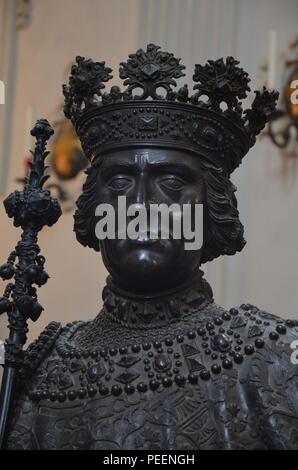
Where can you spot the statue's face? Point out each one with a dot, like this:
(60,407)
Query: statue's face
(146,176)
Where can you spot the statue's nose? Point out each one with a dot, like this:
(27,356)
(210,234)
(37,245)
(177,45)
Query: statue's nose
(142,190)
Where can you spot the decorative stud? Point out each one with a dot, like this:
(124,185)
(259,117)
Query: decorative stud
(167,382)
(226,316)
(216,369)
(180,380)
(129,389)
(205,374)
(103,390)
(281,329)
(154,384)
(201,331)
(259,343)
(273,335)
(227,364)
(249,349)
(162,362)
(92,391)
(238,358)
(221,343)
(72,395)
(142,387)
(116,390)
(193,379)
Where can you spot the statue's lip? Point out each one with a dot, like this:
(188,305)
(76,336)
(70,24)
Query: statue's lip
(146,241)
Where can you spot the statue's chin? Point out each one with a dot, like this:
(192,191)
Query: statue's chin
(150,267)
(143,271)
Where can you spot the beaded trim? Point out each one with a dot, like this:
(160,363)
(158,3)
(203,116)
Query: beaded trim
(199,354)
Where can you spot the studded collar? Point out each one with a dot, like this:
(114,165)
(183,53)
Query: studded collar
(156,309)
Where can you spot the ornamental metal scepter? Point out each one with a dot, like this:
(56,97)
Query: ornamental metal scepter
(31,209)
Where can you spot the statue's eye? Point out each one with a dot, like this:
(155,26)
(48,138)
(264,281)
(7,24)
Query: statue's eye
(172,183)
(119,183)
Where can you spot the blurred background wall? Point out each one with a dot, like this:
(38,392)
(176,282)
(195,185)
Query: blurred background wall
(35,57)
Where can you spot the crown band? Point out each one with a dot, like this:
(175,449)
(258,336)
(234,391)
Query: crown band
(156,123)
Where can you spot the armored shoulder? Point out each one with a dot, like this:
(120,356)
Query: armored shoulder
(262,327)
(42,346)
(253,329)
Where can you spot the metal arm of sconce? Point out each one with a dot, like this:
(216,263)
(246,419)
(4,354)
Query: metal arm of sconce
(284,134)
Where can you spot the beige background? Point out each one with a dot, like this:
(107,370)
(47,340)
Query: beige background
(34,63)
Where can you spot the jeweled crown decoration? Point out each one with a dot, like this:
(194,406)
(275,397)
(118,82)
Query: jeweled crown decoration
(150,111)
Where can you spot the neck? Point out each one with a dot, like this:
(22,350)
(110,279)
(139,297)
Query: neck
(156,308)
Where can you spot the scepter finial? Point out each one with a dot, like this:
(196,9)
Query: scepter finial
(31,209)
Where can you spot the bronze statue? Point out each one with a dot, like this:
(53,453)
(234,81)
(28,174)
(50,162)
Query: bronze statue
(162,366)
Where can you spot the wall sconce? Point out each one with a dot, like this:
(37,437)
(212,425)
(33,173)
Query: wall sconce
(283,129)
(67,158)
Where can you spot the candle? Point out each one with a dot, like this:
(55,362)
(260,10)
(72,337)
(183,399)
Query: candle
(272,58)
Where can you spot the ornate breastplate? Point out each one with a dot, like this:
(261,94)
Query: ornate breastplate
(174,372)
(134,346)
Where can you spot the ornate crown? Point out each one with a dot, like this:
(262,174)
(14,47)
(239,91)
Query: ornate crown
(216,128)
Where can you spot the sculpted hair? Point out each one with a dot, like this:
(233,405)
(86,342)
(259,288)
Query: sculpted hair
(223,231)
(84,216)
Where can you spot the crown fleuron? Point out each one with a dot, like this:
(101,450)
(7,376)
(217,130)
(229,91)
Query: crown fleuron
(149,111)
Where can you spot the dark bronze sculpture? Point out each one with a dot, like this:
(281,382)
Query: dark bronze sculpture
(161,366)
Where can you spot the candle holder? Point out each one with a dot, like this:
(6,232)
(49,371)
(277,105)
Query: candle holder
(283,128)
